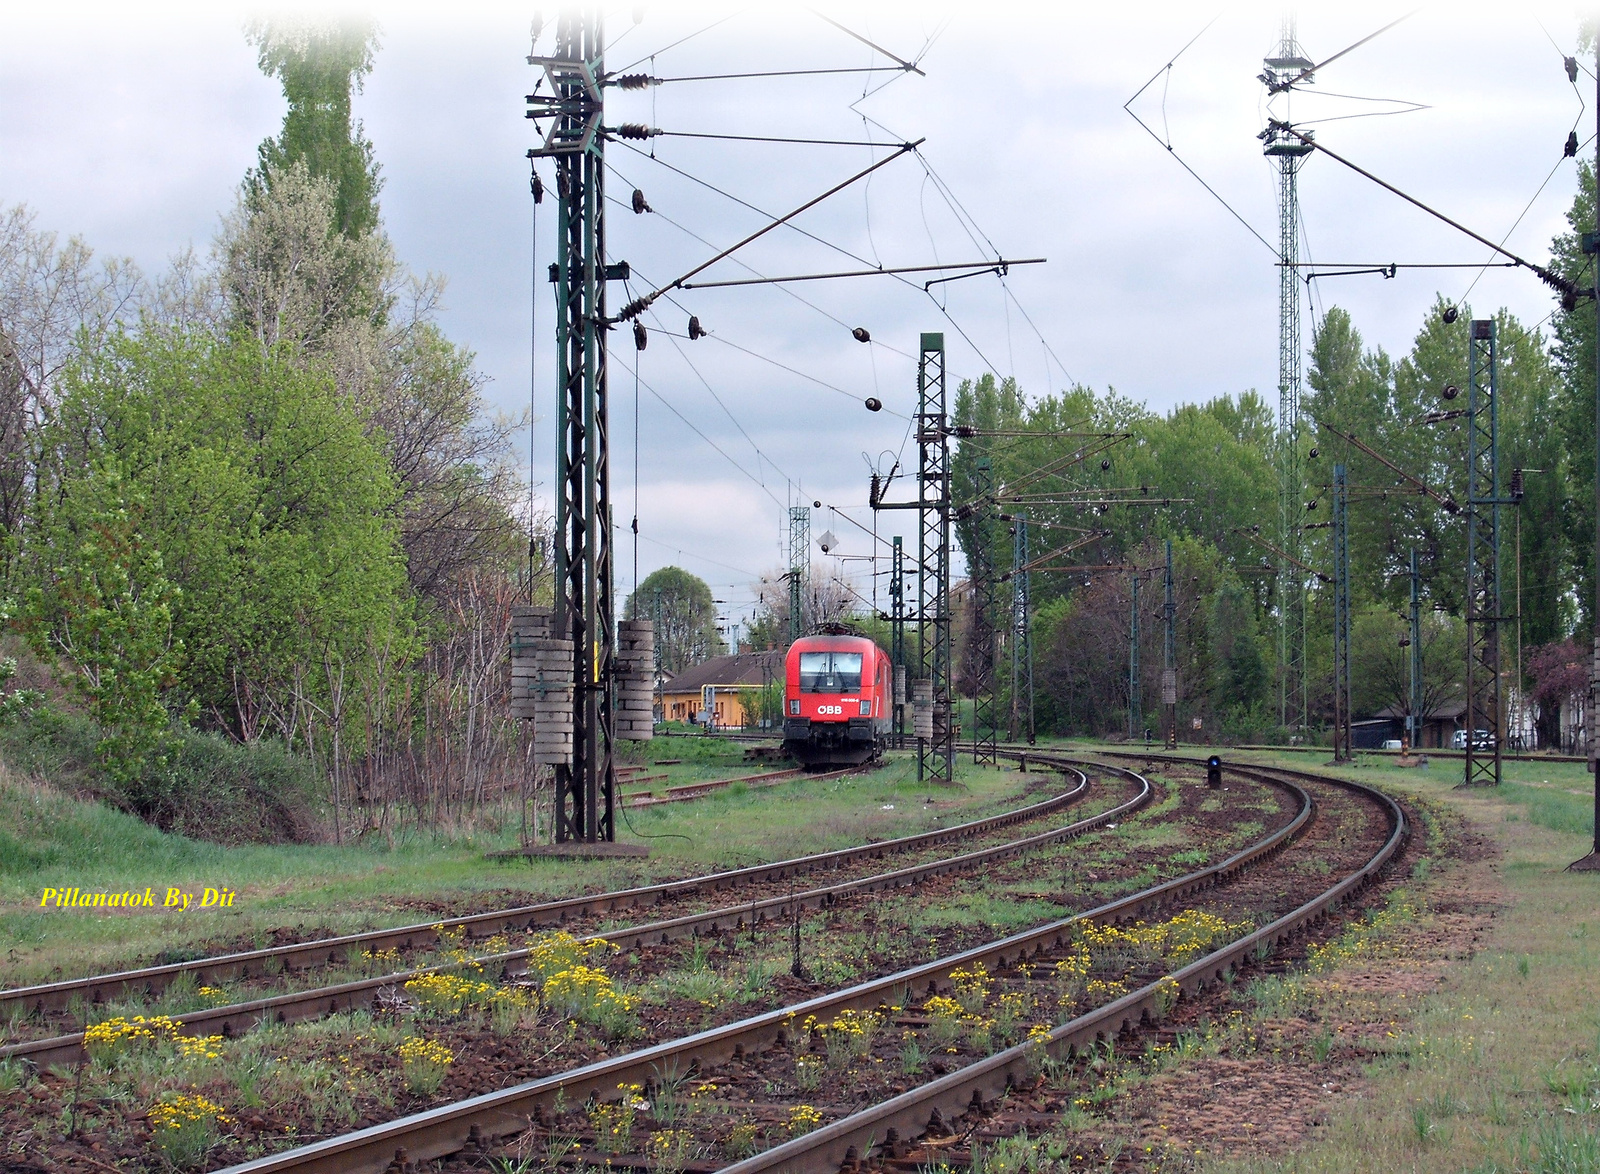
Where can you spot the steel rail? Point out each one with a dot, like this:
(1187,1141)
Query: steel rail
(827,1149)
(234,1019)
(476,1122)
(151,980)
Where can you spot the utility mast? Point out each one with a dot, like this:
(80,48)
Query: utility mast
(1485,714)
(584,613)
(1289,68)
(1021,633)
(936,742)
(799,568)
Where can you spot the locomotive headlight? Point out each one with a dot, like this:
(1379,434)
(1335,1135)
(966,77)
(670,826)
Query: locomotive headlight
(866,708)
(794,708)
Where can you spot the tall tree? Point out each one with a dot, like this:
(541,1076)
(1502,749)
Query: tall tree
(685,615)
(1575,359)
(261,501)
(321,65)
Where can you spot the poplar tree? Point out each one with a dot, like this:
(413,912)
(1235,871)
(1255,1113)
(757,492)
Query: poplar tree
(320,66)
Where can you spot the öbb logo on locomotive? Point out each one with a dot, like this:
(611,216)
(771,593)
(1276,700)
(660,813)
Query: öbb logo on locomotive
(838,700)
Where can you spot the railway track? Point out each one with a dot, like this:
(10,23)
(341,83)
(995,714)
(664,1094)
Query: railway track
(152,980)
(469,1128)
(887,1131)
(235,1019)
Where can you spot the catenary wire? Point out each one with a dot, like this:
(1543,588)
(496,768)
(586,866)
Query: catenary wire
(654,53)
(656,133)
(829,244)
(690,424)
(1167,143)
(759,211)
(1522,215)
(745,265)
(760,456)
(718,77)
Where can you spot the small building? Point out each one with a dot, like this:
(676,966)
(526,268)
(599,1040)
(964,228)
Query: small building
(726,681)
(1439,724)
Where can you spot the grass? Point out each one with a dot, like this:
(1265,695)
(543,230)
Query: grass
(50,838)
(1497,1069)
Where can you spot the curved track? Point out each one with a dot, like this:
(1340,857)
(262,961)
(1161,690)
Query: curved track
(151,980)
(475,1124)
(876,1132)
(234,1019)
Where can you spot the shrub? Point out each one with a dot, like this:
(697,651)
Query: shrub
(183,1128)
(425,1064)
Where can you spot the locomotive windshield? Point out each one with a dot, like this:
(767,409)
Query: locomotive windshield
(830,672)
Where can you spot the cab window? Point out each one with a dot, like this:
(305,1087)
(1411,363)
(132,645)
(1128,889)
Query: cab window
(830,672)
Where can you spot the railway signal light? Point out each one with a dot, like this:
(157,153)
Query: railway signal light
(1214,771)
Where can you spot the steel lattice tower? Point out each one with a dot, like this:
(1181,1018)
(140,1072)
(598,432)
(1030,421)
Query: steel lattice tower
(1341,615)
(981,646)
(1287,68)
(1483,557)
(935,757)
(585,789)
(1135,677)
(799,567)
(1021,632)
(1414,717)
(897,633)
(1169,660)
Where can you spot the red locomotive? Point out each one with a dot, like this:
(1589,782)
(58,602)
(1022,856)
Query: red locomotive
(838,700)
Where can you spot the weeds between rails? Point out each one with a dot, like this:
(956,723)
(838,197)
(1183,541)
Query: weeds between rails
(317,1106)
(236,1019)
(149,981)
(185,997)
(614,1130)
(462,1068)
(1033,1107)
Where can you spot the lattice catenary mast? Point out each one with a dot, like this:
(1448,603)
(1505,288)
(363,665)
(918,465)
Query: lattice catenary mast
(1484,713)
(1290,66)
(586,786)
(799,568)
(936,753)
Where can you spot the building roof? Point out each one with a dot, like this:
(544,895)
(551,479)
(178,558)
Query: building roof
(744,670)
(1444,711)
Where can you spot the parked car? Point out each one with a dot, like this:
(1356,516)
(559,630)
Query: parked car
(1392,744)
(1458,741)
(1481,740)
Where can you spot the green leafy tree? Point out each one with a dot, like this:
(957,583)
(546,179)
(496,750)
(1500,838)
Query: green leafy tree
(685,615)
(321,65)
(102,614)
(265,503)
(1380,663)
(1574,354)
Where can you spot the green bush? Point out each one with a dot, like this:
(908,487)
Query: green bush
(209,787)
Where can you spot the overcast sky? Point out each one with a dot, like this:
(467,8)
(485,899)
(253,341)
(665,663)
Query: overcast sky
(133,126)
